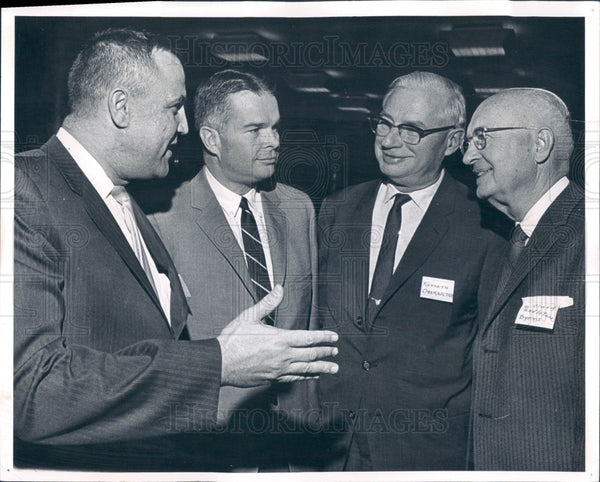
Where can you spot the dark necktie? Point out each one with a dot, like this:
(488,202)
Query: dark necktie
(384,268)
(518,241)
(255,255)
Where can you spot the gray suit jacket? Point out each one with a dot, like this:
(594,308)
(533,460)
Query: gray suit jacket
(212,266)
(528,399)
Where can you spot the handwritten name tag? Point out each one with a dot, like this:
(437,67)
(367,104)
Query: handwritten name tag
(540,311)
(437,289)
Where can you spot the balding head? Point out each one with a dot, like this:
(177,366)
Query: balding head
(538,108)
(522,146)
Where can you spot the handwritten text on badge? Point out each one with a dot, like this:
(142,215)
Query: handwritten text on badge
(437,289)
(540,311)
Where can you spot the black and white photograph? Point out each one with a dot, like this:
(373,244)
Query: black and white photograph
(300,240)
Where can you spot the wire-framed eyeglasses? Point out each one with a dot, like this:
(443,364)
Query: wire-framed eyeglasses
(480,134)
(408,133)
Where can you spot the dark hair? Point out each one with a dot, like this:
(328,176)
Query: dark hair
(113,56)
(211,104)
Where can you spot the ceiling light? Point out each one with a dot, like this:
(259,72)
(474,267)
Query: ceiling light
(480,41)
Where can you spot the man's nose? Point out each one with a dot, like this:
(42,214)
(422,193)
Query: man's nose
(392,138)
(469,155)
(271,138)
(182,127)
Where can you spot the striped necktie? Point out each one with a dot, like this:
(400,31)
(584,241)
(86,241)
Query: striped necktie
(255,255)
(122,197)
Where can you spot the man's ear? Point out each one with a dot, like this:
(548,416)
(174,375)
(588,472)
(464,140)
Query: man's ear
(211,140)
(544,143)
(454,141)
(118,106)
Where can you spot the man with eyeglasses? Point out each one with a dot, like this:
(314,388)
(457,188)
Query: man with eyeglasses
(400,260)
(528,404)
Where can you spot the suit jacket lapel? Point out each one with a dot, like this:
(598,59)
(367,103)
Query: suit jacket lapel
(179,307)
(428,235)
(212,223)
(544,237)
(277,232)
(358,243)
(99,214)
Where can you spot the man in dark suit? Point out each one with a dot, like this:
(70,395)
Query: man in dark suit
(528,403)
(237,117)
(399,272)
(103,378)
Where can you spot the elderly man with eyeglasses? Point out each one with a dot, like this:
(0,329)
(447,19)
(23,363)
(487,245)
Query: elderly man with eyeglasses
(529,404)
(400,262)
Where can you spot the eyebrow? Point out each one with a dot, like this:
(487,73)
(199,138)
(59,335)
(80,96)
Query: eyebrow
(408,123)
(258,124)
(177,102)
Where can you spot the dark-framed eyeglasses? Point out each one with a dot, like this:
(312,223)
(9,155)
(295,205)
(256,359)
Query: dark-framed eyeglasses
(480,134)
(408,133)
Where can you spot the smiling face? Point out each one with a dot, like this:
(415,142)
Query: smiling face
(413,167)
(157,118)
(506,170)
(248,141)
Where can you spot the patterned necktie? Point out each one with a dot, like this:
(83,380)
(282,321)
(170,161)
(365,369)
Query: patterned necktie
(384,269)
(255,255)
(518,241)
(122,197)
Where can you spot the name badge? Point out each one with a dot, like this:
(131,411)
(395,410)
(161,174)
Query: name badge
(437,289)
(540,311)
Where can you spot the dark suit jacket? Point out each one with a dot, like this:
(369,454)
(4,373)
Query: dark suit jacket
(213,267)
(95,360)
(528,404)
(405,379)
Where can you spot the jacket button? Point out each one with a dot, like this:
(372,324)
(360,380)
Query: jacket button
(366,366)
(359,321)
(352,415)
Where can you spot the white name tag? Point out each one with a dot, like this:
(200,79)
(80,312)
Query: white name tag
(540,311)
(437,289)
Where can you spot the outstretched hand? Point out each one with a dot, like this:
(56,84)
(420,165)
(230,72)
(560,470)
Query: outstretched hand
(256,354)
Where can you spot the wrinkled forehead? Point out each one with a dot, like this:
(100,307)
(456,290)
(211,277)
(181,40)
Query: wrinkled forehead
(412,104)
(503,111)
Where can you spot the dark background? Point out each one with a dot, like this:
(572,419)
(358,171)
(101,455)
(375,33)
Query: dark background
(328,74)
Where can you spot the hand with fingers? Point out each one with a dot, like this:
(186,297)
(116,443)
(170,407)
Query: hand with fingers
(254,353)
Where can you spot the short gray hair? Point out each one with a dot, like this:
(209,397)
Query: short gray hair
(455,108)
(555,114)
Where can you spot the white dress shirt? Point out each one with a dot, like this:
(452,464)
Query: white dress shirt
(230,204)
(533,216)
(412,215)
(103,185)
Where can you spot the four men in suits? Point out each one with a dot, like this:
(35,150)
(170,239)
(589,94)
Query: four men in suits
(400,264)
(529,404)
(105,376)
(236,117)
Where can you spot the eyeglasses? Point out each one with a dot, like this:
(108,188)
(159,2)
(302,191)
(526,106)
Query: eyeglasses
(408,133)
(479,136)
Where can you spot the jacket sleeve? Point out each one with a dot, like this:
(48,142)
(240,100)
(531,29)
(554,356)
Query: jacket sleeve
(66,393)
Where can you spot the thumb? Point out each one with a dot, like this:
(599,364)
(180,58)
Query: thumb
(261,309)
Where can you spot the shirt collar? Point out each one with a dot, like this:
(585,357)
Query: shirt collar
(533,216)
(421,197)
(86,162)
(229,200)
